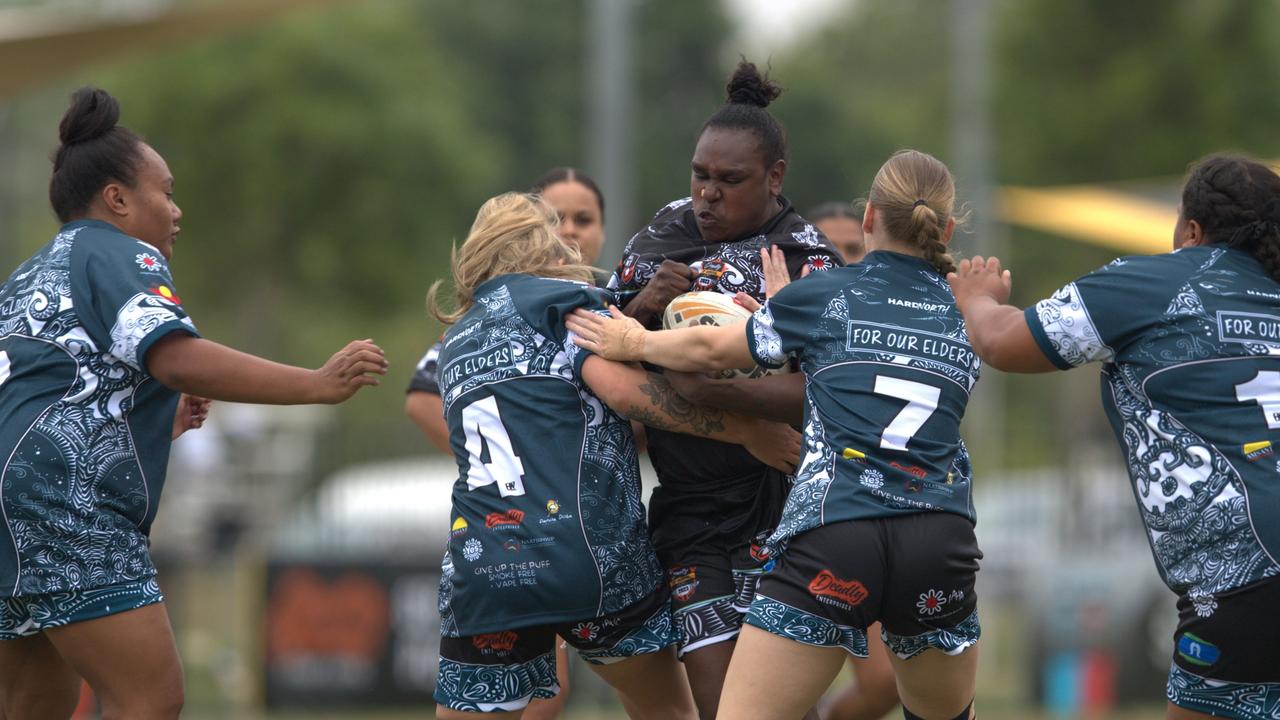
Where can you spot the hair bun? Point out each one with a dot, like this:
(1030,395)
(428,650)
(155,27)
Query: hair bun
(749,87)
(93,113)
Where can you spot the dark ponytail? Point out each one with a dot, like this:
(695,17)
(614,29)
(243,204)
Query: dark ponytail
(748,93)
(94,151)
(1236,200)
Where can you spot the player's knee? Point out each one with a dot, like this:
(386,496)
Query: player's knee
(964,714)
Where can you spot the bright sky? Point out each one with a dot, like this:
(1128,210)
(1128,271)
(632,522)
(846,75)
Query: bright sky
(768,25)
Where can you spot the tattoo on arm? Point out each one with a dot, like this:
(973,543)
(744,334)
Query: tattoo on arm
(667,410)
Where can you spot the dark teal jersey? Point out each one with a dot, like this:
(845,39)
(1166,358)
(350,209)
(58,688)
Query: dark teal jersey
(1190,343)
(889,371)
(84,430)
(548,524)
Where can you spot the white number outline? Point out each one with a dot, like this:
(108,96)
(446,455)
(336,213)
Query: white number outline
(1263,389)
(482,424)
(4,367)
(922,401)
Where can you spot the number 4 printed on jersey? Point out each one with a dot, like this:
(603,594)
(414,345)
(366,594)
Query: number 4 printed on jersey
(491,458)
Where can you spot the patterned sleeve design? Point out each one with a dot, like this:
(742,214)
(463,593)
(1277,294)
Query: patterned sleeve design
(1065,331)
(134,298)
(765,342)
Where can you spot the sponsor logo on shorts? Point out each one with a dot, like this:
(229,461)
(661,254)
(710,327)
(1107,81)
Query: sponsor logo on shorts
(586,631)
(511,545)
(510,517)
(912,470)
(553,507)
(499,642)
(459,527)
(1257,450)
(1204,604)
(847,593)
(759,552)
(683,581)
(1197,651)
(931,602)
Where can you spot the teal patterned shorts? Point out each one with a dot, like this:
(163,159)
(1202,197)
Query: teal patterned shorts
(32,614)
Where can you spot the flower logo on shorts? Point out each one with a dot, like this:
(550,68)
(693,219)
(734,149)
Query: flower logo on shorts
(872,478)
(586,631)
(471,550)
(1204,604)
(931,602)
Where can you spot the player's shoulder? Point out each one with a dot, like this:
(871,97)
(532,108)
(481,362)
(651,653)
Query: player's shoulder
(100,241)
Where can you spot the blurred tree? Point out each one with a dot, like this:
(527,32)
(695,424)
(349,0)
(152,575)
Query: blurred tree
(1097,90)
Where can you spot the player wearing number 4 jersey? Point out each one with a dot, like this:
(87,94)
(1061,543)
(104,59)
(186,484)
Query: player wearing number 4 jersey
(548,534)
(879,524)
(1191,385)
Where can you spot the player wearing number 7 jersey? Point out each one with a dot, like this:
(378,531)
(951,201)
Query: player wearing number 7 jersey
(1190,342)
(879,524)
(548,534)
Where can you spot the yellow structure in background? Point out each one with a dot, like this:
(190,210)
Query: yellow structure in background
(1092,214)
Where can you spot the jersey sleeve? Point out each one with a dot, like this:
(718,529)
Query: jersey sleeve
(546,305)
(1089,318)
(776,331)
(127,297)
(426,374)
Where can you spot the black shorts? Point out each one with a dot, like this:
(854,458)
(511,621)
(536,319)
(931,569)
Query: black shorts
(710,548)
(913,573)
(502,671)
(1226,657)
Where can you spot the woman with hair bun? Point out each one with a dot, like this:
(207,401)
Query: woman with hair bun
(100,368)
(879,522)
(1190,346)
(715,503)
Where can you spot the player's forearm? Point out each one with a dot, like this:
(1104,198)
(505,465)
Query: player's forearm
(779,398)
(698,349)
(648,398)
(656,404)
(205,368)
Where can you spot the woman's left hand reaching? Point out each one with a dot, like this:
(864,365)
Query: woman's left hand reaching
(618,338)
(191,414)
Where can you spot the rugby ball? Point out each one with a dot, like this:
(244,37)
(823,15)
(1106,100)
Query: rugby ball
(702,307)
